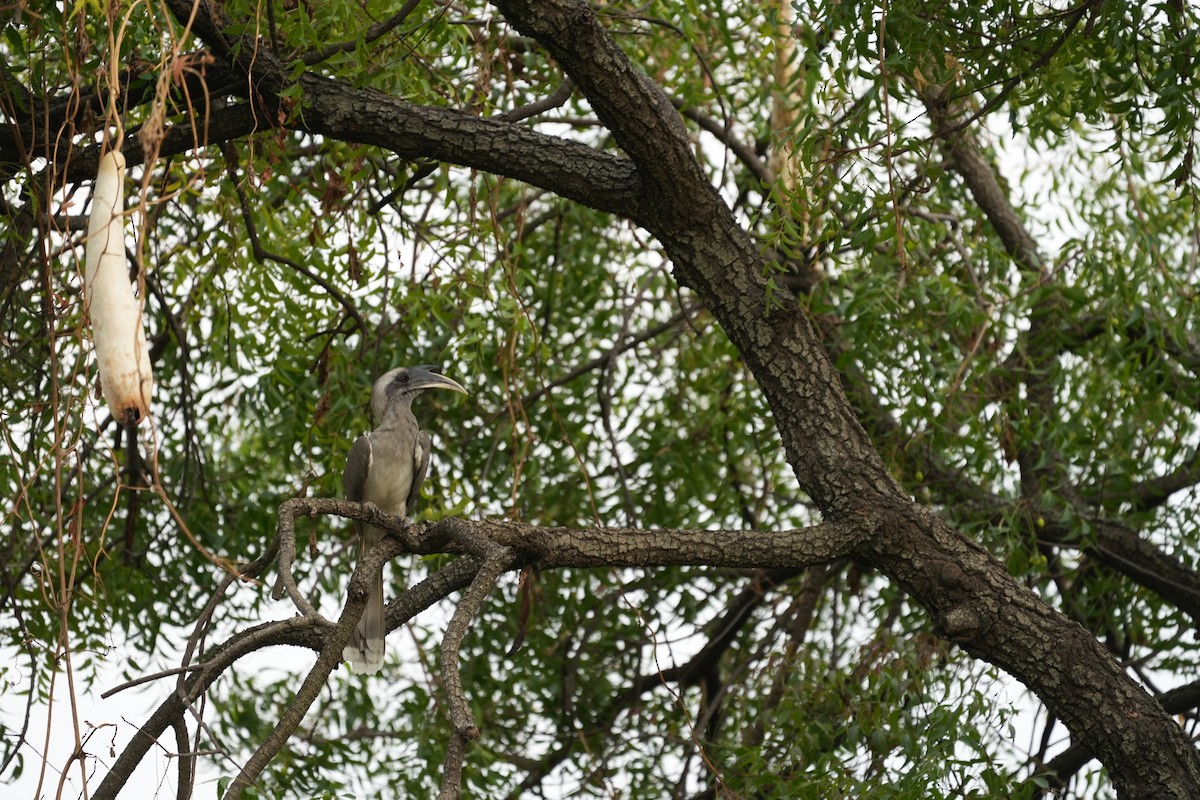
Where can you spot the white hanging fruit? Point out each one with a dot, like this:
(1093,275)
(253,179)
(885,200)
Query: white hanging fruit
(116,314)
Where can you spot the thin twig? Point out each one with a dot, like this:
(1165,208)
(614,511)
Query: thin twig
(261,254)
(372,33)
(19,740)
(166,673)
(604,358)
(743,151)
(425,168)
(555,99)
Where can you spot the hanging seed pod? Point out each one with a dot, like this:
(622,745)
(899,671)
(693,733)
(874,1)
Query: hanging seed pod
(115,313)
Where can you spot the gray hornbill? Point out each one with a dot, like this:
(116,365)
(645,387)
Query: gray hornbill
(386,467)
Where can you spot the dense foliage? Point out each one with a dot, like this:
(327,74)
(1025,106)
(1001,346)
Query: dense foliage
(987,210)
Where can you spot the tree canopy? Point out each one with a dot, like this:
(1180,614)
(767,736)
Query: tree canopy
(834,383)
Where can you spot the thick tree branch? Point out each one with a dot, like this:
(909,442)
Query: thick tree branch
(1059,769)
(1152,493)
(1122,549)
(366,116)
(545,548)
(552,548)
(38,131)
(573,170)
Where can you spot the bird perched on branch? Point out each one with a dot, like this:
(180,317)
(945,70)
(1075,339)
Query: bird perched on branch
(386,467)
